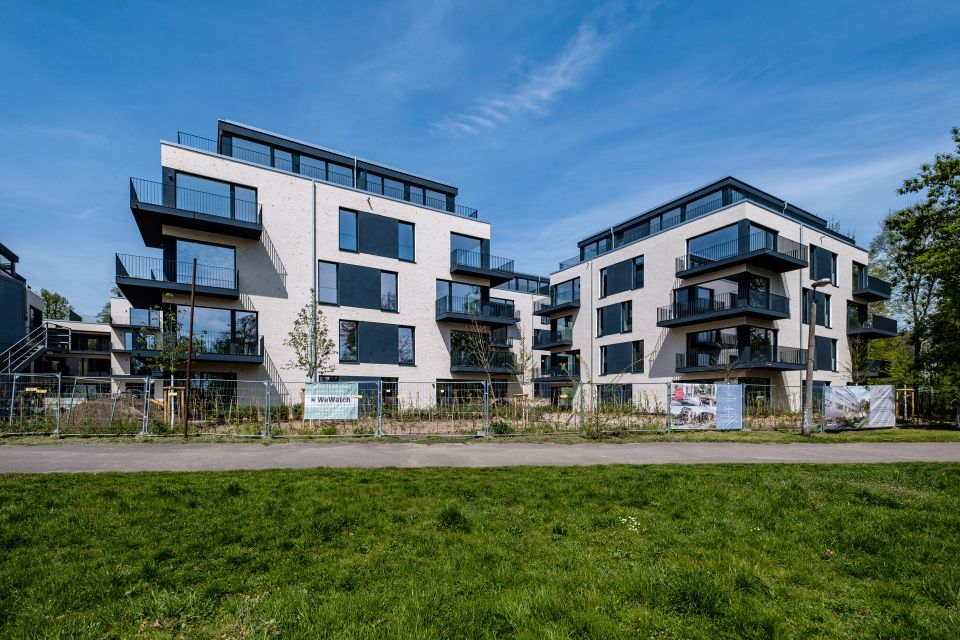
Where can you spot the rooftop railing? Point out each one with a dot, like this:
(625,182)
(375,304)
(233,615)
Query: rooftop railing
(326,173)
(160,270)
(162,195)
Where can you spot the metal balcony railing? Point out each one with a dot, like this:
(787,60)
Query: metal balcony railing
(545,338)
(492,360)
(760,241)
(879,323)
(160,270)
(163,195)
(225,345)
(724,302)
(479,309)
(560,371)
(869,283)
(478,260)
(741,357)
(326,173)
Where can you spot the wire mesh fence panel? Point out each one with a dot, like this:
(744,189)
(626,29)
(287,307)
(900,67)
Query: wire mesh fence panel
(216,407)
(551,408)
(29,403)
(927,407)
(433,408)
(100,406)
(287,418)
(625,407)
(776,408)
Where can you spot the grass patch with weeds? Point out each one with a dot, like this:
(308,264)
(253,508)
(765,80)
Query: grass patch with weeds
(726,551)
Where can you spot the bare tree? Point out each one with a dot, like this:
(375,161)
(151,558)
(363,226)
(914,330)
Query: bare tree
(313,349)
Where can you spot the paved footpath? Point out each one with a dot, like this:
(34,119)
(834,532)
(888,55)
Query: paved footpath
(302,455)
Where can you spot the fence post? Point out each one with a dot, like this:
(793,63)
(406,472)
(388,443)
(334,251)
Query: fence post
(379,407)
(582,404)
(56,431)
(669,411)
(486,409)
(266,417)
(13,399)
(147,392)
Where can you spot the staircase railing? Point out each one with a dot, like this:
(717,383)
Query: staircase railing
(23,351)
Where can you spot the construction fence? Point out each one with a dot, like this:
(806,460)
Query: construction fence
(49,404)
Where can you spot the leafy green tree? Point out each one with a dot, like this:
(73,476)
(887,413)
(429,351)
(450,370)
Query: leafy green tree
(105,315)
(55,306)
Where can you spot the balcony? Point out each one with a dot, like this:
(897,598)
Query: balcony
(474,263)
(207,349)
(470,310)
(326,173)
(871,289)
(545,340)
(556,305)
(492,362)
(155,204)
(558,373)
(768,306)
(759,249)
(144,280)
(733,358)
(872,327)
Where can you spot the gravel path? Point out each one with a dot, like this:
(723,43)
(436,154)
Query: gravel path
(302,455)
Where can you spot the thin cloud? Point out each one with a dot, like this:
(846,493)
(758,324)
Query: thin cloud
(541,88)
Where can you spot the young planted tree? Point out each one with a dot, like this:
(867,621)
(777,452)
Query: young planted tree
(313,349)
(169,343)
(523,370)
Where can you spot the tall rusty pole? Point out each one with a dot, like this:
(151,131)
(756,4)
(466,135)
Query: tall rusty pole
(186,392)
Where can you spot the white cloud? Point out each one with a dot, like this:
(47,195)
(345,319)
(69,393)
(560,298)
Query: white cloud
(542,87)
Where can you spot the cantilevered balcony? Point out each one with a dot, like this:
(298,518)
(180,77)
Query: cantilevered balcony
(558,373)
(206,348)
(144,280)
(470,310)
(475,263)
(871,289)
(472,362)
(755,304)
(557,304)
(769,358)
(872,327)
(759,249)
(155,204)
(546,340)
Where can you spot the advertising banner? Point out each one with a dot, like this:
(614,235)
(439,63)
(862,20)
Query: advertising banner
(693,406)
(859,407)
(330,401)
(729,406)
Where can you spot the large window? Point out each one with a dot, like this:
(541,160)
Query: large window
(716,244)
(824,310)
(823,264)
(224,331)
(568,291)
(327,291)
(348,230)
(465,243)
(216,264)
(145,317)
(405,242)
(626,316)
(405,346)
(250,151)
(388,291)
(348,341)
(214,197)
(595,248)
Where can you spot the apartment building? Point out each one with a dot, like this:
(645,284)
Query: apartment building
(402,271)
(707,287)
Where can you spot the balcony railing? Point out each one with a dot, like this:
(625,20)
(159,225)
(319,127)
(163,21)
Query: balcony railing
(478,260)
(756,242)
(479,309)
(728,302)
(742,358)
(868,284)
(204,344)
(160,270)
(544,339)
(213,204)
(560,371)
(494,360)
(326,173)
(876,323)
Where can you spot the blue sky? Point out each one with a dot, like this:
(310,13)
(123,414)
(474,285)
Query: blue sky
(554,119)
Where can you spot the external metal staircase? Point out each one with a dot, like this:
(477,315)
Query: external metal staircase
(32,346)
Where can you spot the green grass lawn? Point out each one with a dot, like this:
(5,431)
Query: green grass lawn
(733,551)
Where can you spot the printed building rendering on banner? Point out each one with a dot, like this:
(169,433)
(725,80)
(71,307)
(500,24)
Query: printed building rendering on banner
(330,401)
(693,405)
(859,407)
